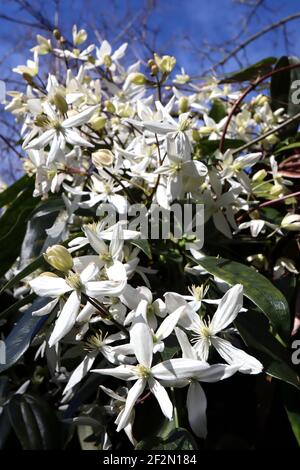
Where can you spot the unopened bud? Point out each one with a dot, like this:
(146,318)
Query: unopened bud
(291,222)
(154,70)
(57,34)
(60,103)
(98,122)
(109,107)
(259,176)
(165,63)
(183,104)
(59,258)
(103,157)
(137,78)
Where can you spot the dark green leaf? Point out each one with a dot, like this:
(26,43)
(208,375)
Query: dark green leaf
(291,399)
(10,194)
(282,92)
(14,307)
(23,332)
(253,327)
(218,111)
(13,227)
(179,439)
(34,423)
(249,73)
(256,287)
(207,147)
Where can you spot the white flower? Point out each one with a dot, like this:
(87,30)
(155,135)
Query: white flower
(174,370)
(205,333)
(59,131)
(196,399)
(98,344)
(106,57)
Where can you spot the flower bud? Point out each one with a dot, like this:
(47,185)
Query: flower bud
(183,104)
(98,122)
(103,157)
(154,70)
(79,37)
(59,258)
(57,34)
(165,63)
(259,176)
(291,222)
(60,102)
(109,106)
(137,78)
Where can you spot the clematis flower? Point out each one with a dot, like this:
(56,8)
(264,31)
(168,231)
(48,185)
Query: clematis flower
(173,371)
(76,282)
(205,333)
(58,131)
(98,344)
(196,400)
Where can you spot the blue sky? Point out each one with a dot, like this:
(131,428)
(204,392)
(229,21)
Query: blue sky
(182,27)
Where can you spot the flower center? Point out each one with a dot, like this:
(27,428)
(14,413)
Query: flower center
(143,372)
(74,281)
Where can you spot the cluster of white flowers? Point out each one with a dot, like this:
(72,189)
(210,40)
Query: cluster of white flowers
(97,132)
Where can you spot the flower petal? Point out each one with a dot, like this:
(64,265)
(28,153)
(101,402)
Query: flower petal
(49,286)
(228,309)
(66,319)
(132,397)
(246,364)
(196,407)
(122,372)
(80,371)
(162,397)
(46,309)
(141,340)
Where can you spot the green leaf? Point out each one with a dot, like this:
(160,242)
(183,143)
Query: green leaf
(256,287)
(34,423)
(207,147)
(38,263)
(253,328)
(292,146)
(10,194)
(20,337)
(15,306)
(281,92)
(143,245)
(217,111)
(13,227)
(291,399)
(41,219)
(249,73)
(178,439)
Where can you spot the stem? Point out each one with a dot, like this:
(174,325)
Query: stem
(263,136)
(269,203)
(248,90)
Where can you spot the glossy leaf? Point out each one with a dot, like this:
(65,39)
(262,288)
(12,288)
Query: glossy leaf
(282,92)
(253,327)
(179,439)
(256,287)
(20,337)
(9,194)
(249,73)
(34,423)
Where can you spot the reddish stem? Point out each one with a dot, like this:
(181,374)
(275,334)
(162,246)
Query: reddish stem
(250,88)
